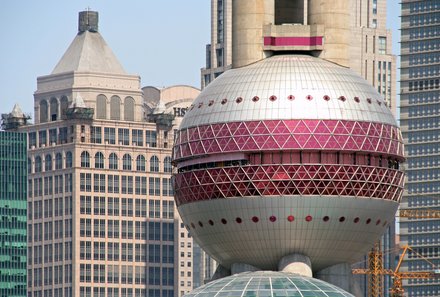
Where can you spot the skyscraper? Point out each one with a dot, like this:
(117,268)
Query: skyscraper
(420,114)
(101,214)
(13,186)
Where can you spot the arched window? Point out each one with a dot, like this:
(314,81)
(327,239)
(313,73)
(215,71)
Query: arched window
(101,107)
(113,161)
(69,160)
(64,102)
(126,162)
(38,164)
(99,160)
(85,159)
(48,163)
(129,109)
(140,163)
(43,111)
(58,161)
(53,109)
(167,165)
(154,164)
(29,166)
(115,108)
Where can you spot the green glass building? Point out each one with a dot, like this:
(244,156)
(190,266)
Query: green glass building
(13,189)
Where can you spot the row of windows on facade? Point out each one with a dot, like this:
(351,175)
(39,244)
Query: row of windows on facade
(423,162)
(126,229)
(53,207)
(424,71)
(123,292)
(102,251)
(127,252)
(423,85)
(425,123)
(423,110)
(420,59)
(424,19)
(50,253)
(60,136)
(427,226)
(423,45)
(125,184)
(426,32)
(126,162)
(423,239)
(422,149)
(425,97)
(424,6)
(424,175)
(55,109)
(51,231)
(424,187)
(58,275)
(423,201)
(127,207)
(126,274)
(422,136)
(137,136)
(36,187)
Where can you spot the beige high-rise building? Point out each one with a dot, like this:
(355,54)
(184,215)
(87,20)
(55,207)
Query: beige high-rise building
(101,213)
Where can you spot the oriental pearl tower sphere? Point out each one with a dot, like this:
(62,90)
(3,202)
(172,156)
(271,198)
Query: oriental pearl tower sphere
(288,162)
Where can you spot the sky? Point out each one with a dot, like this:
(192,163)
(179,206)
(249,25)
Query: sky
(162,41)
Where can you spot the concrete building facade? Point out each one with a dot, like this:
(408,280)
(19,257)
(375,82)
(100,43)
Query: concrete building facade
(13,188)
(101,214)
(420,113)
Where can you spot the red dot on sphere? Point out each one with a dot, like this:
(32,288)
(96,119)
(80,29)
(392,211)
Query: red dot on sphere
(368,221)
(341,219)
(325,219)
(377,222)
(356,220)
(211,222)
(238,220)
(309,218)
(255,219)
(200,224)
(224,222)
(272,218)
(290,218)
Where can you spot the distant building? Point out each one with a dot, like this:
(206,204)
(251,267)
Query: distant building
(101,214)
(419,119)
(13,188)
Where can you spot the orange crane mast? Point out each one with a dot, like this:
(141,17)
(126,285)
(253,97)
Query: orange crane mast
(376,271)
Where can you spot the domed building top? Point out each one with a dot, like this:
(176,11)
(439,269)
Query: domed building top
(288,87)
(268,284)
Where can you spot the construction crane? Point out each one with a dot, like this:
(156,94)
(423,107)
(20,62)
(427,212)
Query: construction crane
(376,271)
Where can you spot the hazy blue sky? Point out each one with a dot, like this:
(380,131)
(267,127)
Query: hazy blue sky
(162,41)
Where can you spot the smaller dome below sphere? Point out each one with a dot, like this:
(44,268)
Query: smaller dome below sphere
(268,284)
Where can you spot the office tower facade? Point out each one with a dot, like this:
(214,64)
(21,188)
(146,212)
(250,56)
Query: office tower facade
(101,215)
(219,51)
(13,187)
(420,113)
